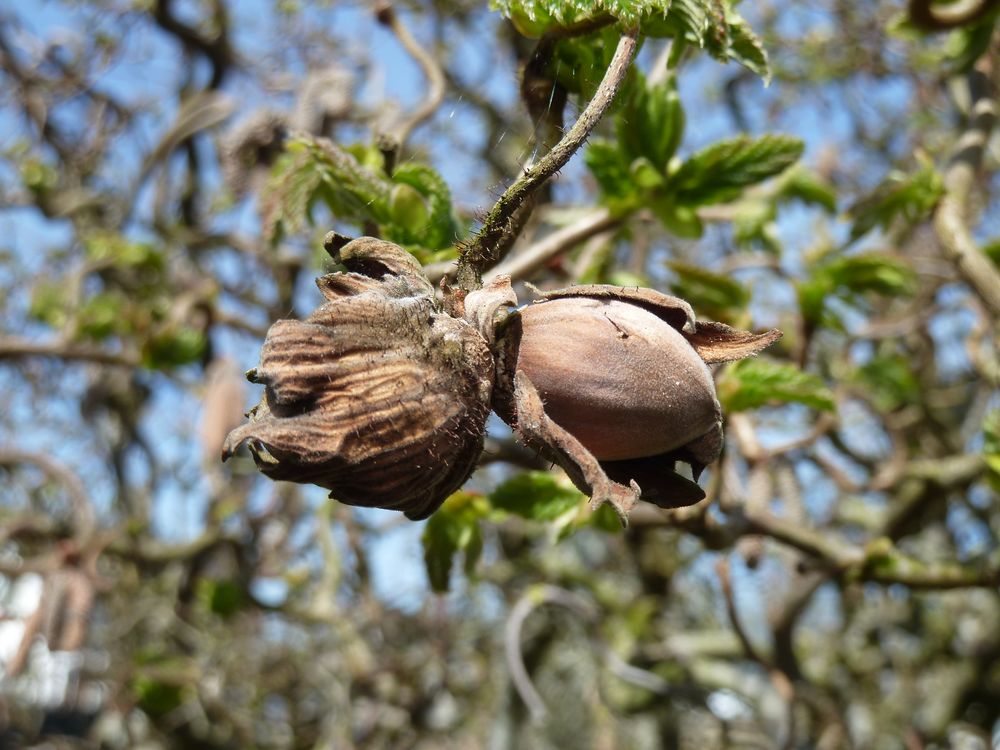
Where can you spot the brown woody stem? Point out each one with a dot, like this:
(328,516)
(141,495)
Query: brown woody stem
(494,239)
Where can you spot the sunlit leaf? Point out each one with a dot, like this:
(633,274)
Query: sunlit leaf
(537,495)
(713,295)
(452,529)
(908,198)
(756,382)
(721,171)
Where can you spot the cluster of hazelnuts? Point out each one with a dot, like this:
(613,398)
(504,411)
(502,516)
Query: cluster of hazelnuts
(381,395)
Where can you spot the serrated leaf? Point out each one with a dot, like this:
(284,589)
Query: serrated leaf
(746,48)
(438,229)
(533,18)
(752,383)
(879,273)
(537,495)
(849,277)
(723,170)
(650,125)
(802,184)
(612,173)
(316,169)
(714,295)
(452,529)
(907,198)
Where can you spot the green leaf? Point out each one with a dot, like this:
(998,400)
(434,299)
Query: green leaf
(611,171)
(651,124)
(754,224)
(878,273)
(849,277)
(223,598)
(533,18)
(991,448)
(169,349)
(752,383)
(452,529)
(721,171)
(890,381)
(801,184)
(907,198)
(746,48)
(682,220)
(436,229)
(714,295)
(102,315)
(157,698)
(537,495)
(101,246)
(316,169)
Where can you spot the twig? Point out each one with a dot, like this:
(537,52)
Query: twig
(494,240)
(548,594)
(725,582)
(388,17)
(543,251)
(959,178)
(83,510)
(934,16)
(14,348)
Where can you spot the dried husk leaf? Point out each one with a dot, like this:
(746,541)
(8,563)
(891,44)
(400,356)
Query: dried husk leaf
(376,396)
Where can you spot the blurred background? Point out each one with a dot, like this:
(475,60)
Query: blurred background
(168,169)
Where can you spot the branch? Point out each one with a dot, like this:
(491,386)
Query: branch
(959,179)
(216,48)
(83,510)
(537,255)
(14,347)
(386,15)
(932,16)
(494,238)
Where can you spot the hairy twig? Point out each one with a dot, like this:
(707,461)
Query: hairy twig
(543,251)
(959,179)
(388,17)
(494,238)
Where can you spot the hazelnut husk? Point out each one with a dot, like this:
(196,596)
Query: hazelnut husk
(377,396)
(381,395)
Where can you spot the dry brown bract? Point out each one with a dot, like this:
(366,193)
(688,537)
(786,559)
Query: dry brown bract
(382,397)
(377,395)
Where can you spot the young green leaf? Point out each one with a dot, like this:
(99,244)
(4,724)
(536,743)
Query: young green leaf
(611,171)
(752,383)
(991,448)
(714,295)
(907,198)
(721,171)
(537,495)
(452,529)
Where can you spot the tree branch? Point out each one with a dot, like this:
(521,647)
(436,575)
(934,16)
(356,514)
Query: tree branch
(14,348)
(387,16)
(959,179)
(494,240)
(932,16)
